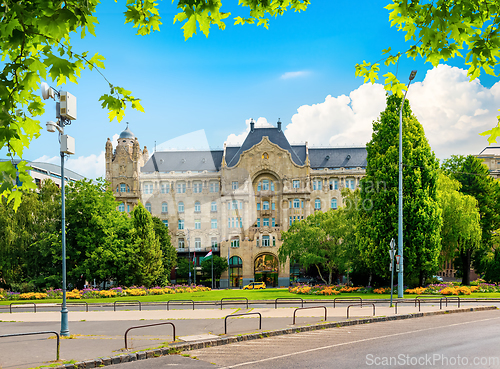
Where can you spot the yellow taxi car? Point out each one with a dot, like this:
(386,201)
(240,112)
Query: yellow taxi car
(255,286)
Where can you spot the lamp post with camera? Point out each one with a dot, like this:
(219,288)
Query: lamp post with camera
(65,113)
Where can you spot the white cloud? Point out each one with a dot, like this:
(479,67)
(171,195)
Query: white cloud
(91,166)
(237,140)
(342,120)
(300,73)
(452,110)
(196,140)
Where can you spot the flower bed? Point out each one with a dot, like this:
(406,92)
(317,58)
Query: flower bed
(93,293)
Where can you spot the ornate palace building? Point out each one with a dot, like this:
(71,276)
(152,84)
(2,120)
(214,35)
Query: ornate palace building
(237,200)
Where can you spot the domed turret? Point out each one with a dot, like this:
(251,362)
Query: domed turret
(127,133)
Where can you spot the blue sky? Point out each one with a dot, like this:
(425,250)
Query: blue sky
(300,70)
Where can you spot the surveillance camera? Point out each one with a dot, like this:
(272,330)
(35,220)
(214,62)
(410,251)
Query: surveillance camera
(51,126)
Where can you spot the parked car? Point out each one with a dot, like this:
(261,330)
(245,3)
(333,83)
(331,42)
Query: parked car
(439,278)
(255,286)
(305,280)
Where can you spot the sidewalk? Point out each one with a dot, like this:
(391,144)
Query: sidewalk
(100,334)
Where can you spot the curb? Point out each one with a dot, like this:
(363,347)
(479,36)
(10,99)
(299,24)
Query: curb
(176,347)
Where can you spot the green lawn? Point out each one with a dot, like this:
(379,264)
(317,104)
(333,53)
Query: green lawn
(267,294)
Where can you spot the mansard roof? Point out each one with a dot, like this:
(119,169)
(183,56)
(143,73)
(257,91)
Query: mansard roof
(338,157)
(255,136)
(182,161)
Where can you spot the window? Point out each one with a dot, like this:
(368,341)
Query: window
(290,221)
(165,187)
(214,187)
(197,207)
(181,187)
(258,222)
(349,183)
(165,222)
(148,207)
(123,187)
(235,242)
(241,205)
(181,243)
(180,207)
(274,241)
(197,244)
(265,222)
(148,189)
(197,224)
(273,223)
(213,223)
(258,206)
(317,204)
(214,244)
(272,206)
(259,186)
(265,185)
(128,208)
(213,206)
(265,241)
(197,187)
(317,185)
(235,205)
(181,224)
(296,183)
(234,185)
(334,204)
(290,203)
(296,203)
(164,207)
(272,186)
(265,205)
(121,207)
(334,184)
(241,223)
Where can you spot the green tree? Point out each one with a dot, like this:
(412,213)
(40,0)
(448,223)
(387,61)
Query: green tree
(220,266)
(492,269)
(35,43)
(183,268)
(317,241)
(379,195)
(461,231)
(476,181)
(169,253)
(441,30)
(146,267)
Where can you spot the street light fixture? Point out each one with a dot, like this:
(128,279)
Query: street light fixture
(400,200)
(65,112)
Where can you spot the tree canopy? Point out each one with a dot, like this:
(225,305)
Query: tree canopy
(379,194)
(441,30)
(35,45)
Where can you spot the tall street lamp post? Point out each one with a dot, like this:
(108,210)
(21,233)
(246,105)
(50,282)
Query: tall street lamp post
(65,113)
(400,202)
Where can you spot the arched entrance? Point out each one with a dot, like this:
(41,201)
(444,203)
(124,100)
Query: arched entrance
(235,271)
(266,269)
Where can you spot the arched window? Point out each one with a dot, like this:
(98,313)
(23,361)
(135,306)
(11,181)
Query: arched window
(164,207)
(265,185)
(123,187)
(334,204)
(265,205)
(197,207)
(317,204)
(235,271)
(296,203)
(148,207)
(180,207)
(121,207)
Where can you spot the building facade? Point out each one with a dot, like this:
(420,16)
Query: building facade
(238,200)
(491,158)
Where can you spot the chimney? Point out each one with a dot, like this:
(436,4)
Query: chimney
(279,125)
(252,123)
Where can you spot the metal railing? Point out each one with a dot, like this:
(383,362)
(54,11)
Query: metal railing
(126,302)
(361,307)
(179,301)
(423,298)
(310,307)
(22,303)
(32,333)
(148,325)
(348,299)
(232,299)
(397,302)
(231,315)
(451,298)
(288,298)
(79,302)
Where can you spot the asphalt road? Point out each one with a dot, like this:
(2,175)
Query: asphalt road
(467,340)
